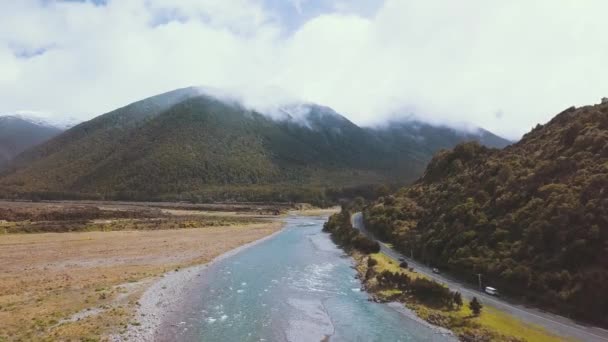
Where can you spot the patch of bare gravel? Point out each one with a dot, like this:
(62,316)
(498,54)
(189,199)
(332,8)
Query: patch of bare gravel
(166,296)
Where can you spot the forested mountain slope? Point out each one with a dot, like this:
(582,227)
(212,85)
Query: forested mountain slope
(416,140)
(18,134)
(192,146)
(531,218)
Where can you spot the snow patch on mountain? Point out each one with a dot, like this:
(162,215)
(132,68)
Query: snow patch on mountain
(43,118)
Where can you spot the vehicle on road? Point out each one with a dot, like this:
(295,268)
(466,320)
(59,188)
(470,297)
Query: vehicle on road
(435,270)
(401,259)
(491,291)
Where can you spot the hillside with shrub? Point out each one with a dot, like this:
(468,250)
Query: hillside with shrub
(531,218)
(188,145)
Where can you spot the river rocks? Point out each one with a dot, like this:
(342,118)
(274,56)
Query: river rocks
(376,299)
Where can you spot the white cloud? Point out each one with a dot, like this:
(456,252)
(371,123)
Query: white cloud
(297,4)
(447,61)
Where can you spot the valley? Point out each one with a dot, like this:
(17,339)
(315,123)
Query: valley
(132,214)
(303,171)
(102,214)
(294,286)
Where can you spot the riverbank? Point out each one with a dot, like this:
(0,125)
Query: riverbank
(491,325)
(387,280)
(167,295)
(76,271)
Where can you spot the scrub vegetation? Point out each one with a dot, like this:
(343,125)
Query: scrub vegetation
(23,217)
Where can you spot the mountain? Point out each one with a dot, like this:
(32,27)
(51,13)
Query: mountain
(418,140)
(531,218)
(18,133)
(421,135)
(187,144)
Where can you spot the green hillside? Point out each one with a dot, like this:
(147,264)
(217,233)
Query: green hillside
(191,146)
(531,218)
(18,134)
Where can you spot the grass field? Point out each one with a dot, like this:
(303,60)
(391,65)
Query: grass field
(509,325)
(386,263)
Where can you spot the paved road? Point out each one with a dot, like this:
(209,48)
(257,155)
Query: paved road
(559,325)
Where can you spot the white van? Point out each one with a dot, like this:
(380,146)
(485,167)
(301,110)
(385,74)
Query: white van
(491,291)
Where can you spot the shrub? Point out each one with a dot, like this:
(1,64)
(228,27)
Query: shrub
(475,306)
(426,289)
(366,245)
(457,298)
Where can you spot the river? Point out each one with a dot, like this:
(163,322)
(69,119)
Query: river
(296,286)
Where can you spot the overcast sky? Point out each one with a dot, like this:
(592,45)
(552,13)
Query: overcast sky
(502,65)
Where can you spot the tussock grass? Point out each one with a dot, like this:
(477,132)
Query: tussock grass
(48,281)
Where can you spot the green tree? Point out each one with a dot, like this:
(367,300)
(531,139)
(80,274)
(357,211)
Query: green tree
(371,262)
(475,306)
(457,299)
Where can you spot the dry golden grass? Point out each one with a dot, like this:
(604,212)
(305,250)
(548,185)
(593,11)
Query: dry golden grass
(219,214)
(48,281)
(312,211)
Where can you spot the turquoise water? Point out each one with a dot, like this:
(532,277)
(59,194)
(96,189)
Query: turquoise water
(297,286)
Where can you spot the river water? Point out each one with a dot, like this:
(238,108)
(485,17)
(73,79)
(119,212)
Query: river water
(297,286)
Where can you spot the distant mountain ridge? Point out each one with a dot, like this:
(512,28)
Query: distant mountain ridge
(18,133)
(415,129)
(189,144)
(44,119)
(418,139)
